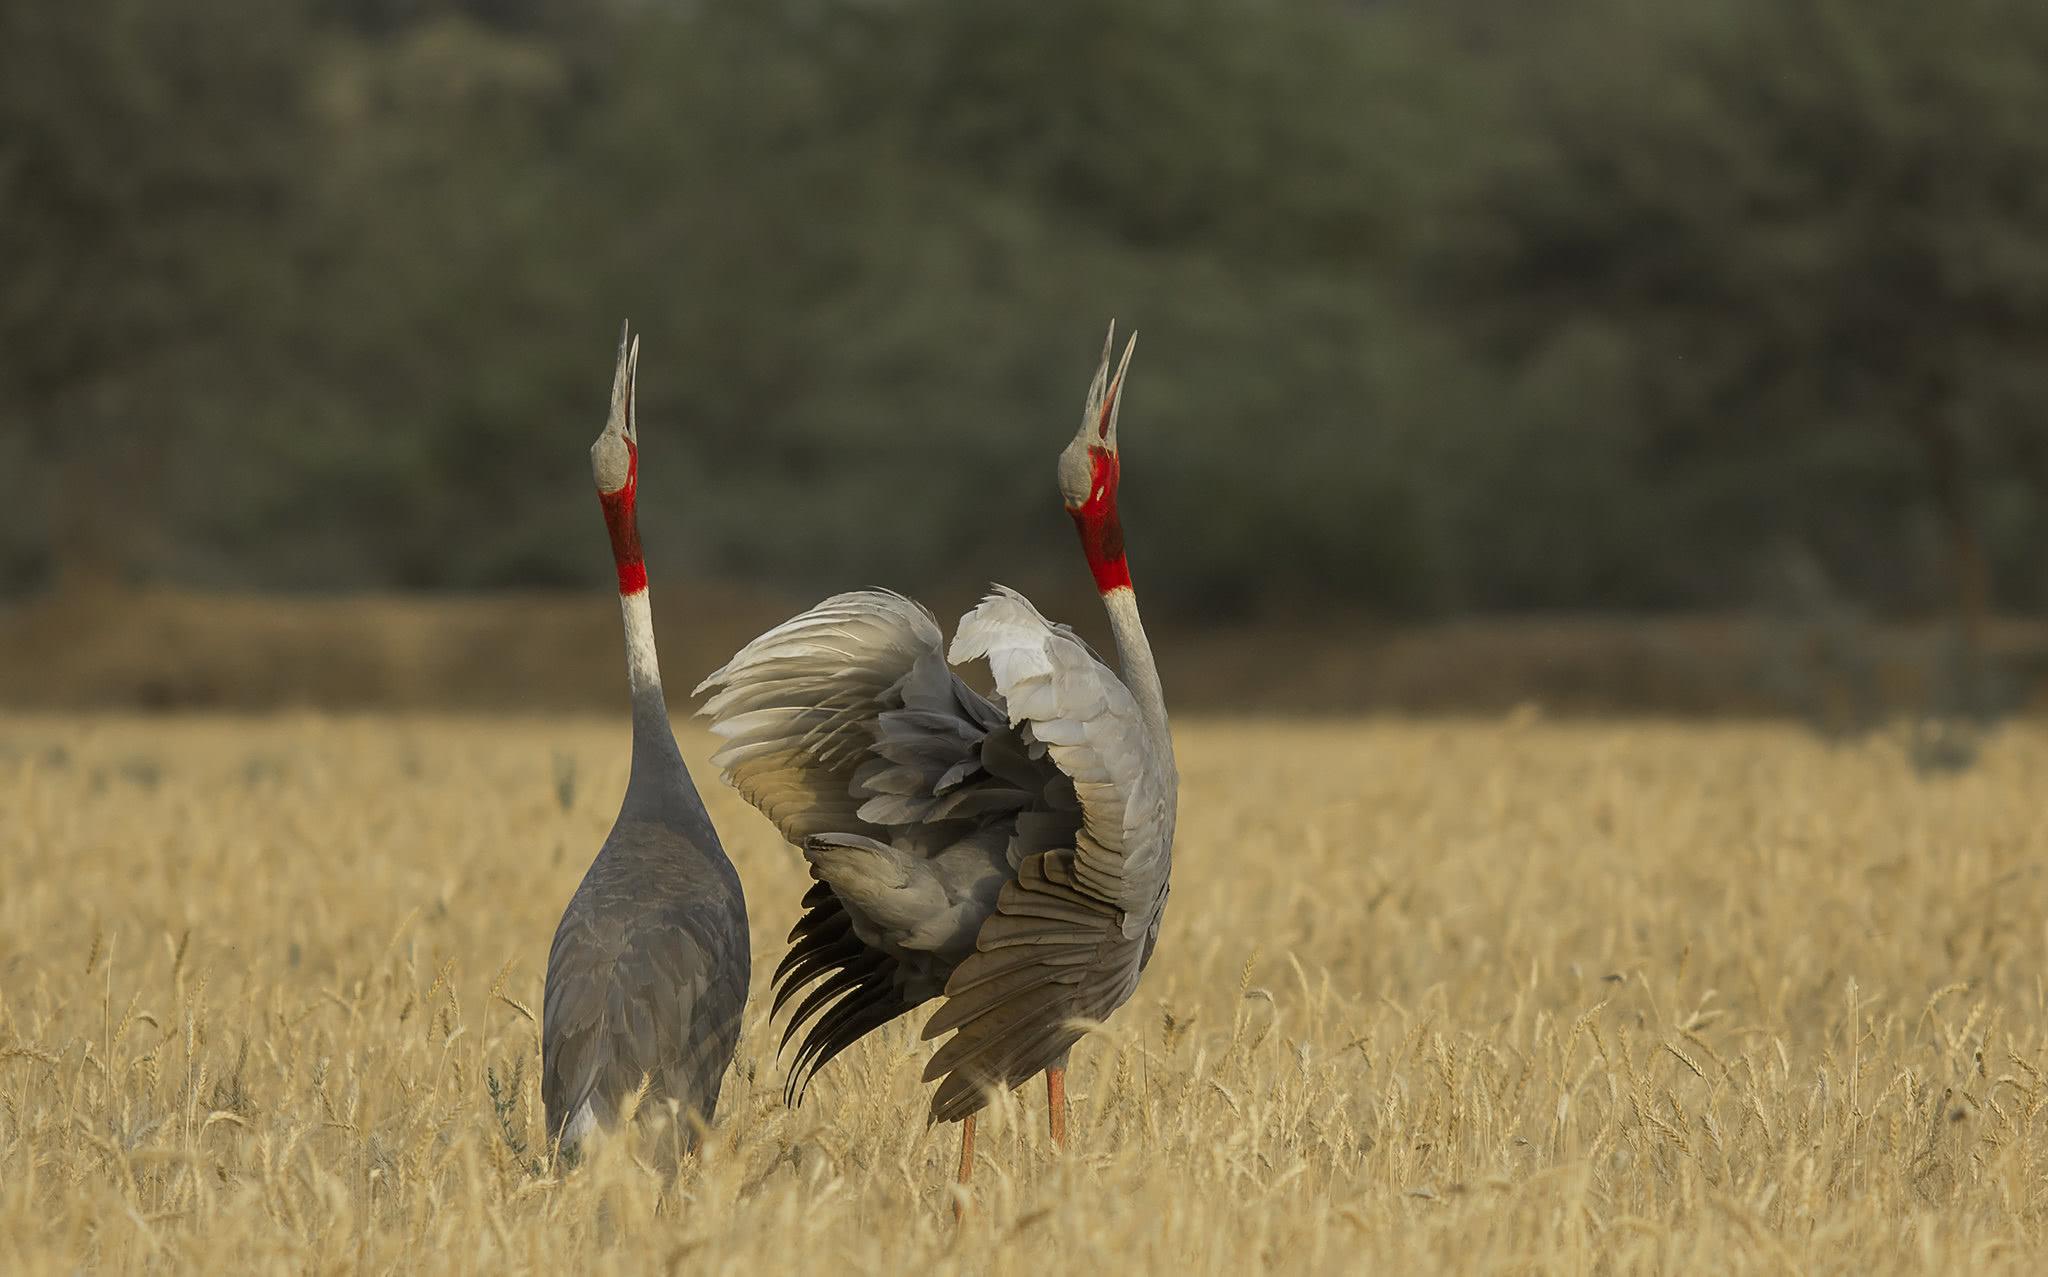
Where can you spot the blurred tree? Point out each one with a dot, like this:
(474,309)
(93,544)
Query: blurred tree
(1816,228)
(149,162)
(1484,305)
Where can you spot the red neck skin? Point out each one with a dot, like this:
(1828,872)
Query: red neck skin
(622,520)
(1102,532)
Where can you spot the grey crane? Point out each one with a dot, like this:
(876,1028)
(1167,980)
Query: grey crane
(1008,853)
(647,976)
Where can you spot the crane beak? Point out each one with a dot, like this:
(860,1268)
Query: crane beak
(612,456)
(625,416)
(1106,394)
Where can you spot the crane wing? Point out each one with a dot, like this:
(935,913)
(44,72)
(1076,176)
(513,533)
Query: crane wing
(1071,933)
(1049,960)
(846,728)
(634,996)
(1065,698)
(797,705)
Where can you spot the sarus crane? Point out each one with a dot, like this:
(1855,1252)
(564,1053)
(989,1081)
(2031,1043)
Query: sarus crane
(647,977)
(1009,853)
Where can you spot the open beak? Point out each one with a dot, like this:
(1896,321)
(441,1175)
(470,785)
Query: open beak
(625,417)
(1105,394)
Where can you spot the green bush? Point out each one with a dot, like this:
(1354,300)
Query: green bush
(1445,306)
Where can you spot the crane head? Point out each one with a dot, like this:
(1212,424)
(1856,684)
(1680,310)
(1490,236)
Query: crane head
(1090,470)
(615,464)
(614,458)
(1089,467)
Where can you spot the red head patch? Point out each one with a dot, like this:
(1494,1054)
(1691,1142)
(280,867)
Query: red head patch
(1102,532)
(622,520)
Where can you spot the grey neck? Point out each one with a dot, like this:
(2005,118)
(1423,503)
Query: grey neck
(1140,671)
(660,786)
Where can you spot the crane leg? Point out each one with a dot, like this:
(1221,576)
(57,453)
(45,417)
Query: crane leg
(1056,1104)
(966,1167)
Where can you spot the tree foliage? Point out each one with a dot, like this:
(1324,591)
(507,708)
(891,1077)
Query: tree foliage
(1445,306)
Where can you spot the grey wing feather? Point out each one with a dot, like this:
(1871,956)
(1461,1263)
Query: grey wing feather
(858,988)
(1084,715)
(636,995)
(1051,959)
(846,728)
(1071,934)
(1011,854)
(795,707)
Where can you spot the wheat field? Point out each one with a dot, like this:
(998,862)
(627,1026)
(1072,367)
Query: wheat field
(1477,997)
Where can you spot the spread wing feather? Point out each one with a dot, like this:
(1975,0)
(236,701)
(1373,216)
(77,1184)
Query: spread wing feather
(1071,703)
(846,728)
(796,707)
(1005,852)
(1066,942)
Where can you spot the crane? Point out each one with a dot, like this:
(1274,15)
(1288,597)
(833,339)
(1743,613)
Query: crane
(1009,854)
(647,976)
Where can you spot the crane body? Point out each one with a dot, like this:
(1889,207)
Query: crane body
(647,976)
(1009,854)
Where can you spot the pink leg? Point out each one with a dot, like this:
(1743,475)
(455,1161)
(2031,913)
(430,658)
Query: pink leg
(1056,1103)
(966,1166)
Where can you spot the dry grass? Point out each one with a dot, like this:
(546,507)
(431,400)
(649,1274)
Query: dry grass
(1482,997)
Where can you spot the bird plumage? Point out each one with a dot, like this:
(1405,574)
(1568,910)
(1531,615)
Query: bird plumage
(1009,853)
(647,979)
(647,976)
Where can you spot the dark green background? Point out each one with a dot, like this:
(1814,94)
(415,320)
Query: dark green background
(1464,305)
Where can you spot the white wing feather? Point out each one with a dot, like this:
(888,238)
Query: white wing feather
(1085,716)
